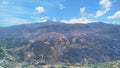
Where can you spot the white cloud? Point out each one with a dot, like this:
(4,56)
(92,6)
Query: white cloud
(42,19)
(116,15)
(106,5)
(39,9)
(61,7)
(83,14)
(100,13)
(115,22)
(83,20)
(82,10)
(54,19)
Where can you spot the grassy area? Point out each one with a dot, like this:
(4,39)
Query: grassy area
(115,64)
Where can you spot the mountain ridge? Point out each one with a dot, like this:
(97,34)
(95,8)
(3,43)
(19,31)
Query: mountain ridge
(62,43)
(49,22)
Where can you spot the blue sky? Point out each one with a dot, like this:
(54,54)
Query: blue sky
(15,12)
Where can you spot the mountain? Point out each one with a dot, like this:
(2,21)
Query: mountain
(57,43)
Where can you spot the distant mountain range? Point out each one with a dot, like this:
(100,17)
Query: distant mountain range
(56,43)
